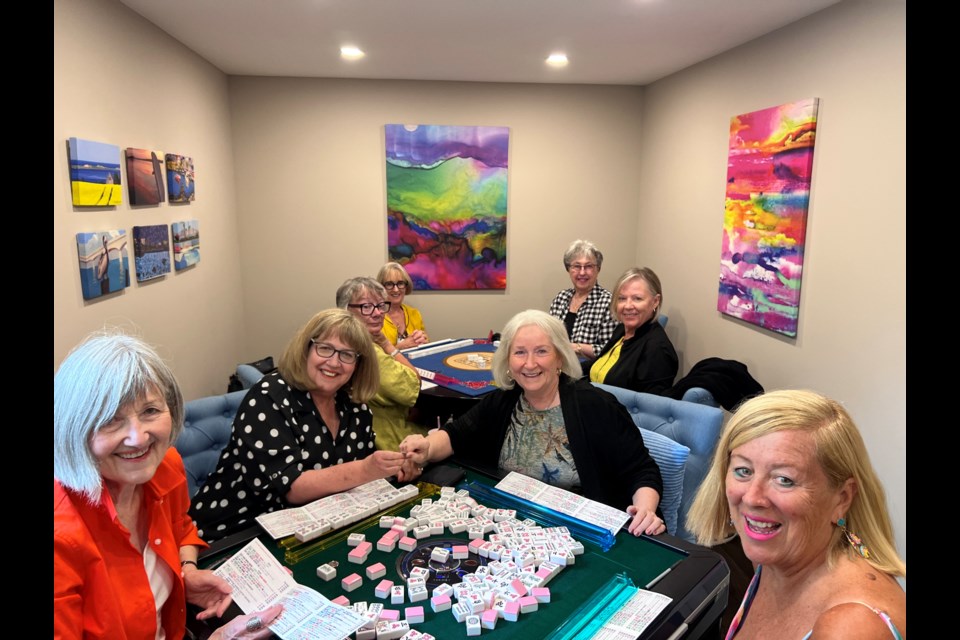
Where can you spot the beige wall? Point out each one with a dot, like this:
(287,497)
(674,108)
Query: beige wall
(312,201)
(307,205)
(851,343)
(120,80)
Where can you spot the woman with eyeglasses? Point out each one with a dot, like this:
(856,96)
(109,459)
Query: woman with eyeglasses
(303,432)
(585,309)
(399,380)
(403,324)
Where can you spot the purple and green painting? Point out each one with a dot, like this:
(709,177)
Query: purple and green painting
(104,265)
(151,251)
(769,168)
(447,204)
(186,243)
(94,173)
(145,176)
(180,178)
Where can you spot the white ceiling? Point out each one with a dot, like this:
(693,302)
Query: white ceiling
(630,42)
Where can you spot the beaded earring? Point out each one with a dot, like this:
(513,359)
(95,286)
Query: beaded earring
(853,539)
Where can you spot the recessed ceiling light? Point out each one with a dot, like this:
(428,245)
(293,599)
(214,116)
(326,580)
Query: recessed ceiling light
(557,60)
(351,53)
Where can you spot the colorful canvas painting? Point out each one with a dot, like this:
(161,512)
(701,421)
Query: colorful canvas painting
(180,179)
(145,176)
(186,243)
(769,169)
(447,204)
(151,251)
(94,173)
(104,266)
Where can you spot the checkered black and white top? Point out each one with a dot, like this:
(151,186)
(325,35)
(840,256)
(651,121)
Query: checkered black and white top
(594,324)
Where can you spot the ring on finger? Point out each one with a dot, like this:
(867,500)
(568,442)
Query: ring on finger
(254,623)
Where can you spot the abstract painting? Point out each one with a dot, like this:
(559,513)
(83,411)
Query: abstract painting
(186,243)
(447,204)
(769,168)
(180,179)
(94,173)
(151,251)
(145,176)
(104,266)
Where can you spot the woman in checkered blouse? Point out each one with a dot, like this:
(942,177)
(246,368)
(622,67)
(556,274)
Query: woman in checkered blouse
(584,309)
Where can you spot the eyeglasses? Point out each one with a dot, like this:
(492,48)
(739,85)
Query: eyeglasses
(583,267)
(394,285)
(366,309)
(326,351)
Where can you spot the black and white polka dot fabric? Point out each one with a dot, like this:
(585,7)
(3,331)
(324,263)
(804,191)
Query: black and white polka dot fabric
(277,435)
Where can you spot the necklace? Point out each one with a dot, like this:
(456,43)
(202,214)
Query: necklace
(402,332)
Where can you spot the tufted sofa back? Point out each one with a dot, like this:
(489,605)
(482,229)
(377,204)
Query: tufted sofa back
(696,426)
(206,430)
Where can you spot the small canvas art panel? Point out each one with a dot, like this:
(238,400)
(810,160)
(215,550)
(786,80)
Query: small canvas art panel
(447,204)
(769,170)
(104,265)
(145,176)
(186,243)
(151,251)
(94,173)
(180,178)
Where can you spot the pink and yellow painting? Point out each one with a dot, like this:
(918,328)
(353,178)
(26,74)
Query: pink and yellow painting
(769,169)
(447,204)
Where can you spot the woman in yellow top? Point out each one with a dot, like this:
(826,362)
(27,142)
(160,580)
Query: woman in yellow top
(399,380)
(403,324)
(639,355)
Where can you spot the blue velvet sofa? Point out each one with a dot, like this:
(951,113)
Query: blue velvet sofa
(688,426)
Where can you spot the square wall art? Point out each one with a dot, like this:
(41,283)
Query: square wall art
(94,173)
(151,251)
(145,176)
(104,265)
(447,204)
(186,243)
(769,170)
(180,179)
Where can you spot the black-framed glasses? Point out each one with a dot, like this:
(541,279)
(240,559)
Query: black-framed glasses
(367,308)
(394,285)
(324,350)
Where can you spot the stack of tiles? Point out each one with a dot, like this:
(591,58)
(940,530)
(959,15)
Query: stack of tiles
(522,556)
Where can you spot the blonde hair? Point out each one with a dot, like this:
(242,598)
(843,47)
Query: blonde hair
(840,452)
(391,267)
(348,329)
(555,331)
(637,273)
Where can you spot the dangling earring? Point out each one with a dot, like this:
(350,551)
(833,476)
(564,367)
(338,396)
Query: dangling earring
(853,539)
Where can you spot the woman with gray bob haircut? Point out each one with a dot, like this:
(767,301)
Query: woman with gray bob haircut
(123,544)
(585,309)
(547,423)
(399,380)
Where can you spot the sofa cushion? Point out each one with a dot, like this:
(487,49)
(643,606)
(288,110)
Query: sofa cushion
(671,457)
(207,424)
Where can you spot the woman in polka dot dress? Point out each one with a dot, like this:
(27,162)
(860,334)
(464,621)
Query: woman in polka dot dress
(301,433)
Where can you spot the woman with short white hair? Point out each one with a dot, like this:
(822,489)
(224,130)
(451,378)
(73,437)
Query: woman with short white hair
(124,548)
(584,309)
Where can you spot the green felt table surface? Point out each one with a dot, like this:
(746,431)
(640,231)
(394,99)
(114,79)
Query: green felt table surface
(641,558)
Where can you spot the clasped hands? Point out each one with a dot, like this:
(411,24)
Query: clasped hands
(383,464)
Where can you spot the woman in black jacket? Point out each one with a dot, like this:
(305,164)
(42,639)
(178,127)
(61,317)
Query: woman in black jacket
(639,355)
(546,423)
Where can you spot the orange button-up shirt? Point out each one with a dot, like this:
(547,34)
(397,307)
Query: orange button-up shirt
(100,587)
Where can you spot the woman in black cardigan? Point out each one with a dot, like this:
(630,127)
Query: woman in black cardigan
(545,423)
(639,355)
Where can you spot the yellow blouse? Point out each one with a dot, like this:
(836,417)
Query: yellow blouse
(414,322)
(605,362)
